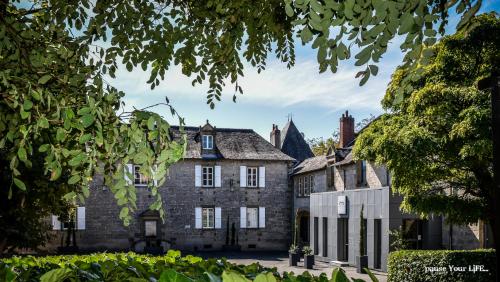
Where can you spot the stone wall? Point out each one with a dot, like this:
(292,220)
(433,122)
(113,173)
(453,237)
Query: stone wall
(104,230)
(376,176)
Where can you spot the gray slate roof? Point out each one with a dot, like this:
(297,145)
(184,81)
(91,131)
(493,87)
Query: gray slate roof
(311,164)
(234,144)
(293,143)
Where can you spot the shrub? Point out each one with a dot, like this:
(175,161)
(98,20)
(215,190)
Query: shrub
(441,265)
(142,268)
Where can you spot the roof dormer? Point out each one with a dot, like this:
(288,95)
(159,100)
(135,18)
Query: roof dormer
(207,139)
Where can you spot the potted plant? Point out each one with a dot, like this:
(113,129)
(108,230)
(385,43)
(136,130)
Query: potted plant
(293,255)
(308,257)
(362,259)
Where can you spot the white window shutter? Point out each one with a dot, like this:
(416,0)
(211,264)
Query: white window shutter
(262,217)
(197,176)
(217,176)
(262,176)
(243,217)
(243,176)
(56,224)
(80,218)
(129,169)
(197,218)
(154,171)
(218,218)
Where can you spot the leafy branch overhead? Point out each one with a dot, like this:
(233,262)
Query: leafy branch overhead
(58,112)
(211,40)
(335,28)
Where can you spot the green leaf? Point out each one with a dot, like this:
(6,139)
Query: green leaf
(151,123)
(74,179)
(43,148)
(267,277)
(57,275)
(306,35)
(85,138)
(19,184)
(60,134)
(43,122)
(21,153)
(87,120)
(231,276)
(27,105)
(77,160)
(338,275)
(372,276)
(44,79)
(171,275)
(373,69)
(289,10)
(212,277)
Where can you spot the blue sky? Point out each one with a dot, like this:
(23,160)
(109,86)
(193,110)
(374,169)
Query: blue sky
(315,101)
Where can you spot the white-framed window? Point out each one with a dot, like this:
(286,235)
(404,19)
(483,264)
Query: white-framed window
(207,142)
(139,178)
(252,217)
(252,177)
(78,220)
(208,218)
(207,176)
(301,187)
(150,228)
(311,184)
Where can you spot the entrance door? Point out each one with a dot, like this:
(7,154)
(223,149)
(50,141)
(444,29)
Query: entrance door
(304,228)
(316,236)
(325,236)
(377,244)
(343,239)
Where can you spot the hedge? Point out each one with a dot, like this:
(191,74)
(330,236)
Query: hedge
(442,265)
(132,267)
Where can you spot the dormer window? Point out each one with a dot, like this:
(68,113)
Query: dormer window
(207,142)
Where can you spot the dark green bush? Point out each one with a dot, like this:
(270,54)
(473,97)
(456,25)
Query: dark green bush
(441,265)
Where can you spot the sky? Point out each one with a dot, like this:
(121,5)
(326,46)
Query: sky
(314,101)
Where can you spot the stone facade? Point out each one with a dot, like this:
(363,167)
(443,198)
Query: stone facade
(105,231)
(346,177)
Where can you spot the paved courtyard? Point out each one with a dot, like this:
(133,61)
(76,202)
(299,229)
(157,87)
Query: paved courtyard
(280,261)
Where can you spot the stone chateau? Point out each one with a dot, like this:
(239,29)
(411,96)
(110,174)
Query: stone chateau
(236,191)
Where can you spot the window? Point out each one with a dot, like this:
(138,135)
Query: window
(139,178)
(208,218)
(311,184)
(150,228)
(252,217)
(306,186)
(207,142)
(301,188)
(361,170)
(252,179)
(208,176)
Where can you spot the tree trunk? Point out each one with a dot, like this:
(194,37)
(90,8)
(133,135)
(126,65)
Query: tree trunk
(3,245)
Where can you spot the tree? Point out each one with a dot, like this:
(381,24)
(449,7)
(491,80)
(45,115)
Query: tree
(320,146)
(437,140)
(55,55)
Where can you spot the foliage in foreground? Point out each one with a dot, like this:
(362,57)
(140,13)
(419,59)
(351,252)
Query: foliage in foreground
(410,265)
(134,267)
(437,141)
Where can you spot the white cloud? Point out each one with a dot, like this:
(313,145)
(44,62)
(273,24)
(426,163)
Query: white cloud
(276,86)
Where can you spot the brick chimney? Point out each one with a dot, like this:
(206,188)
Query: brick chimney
(346,130)
(276,137)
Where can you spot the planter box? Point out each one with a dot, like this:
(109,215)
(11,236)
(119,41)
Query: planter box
(309,261)
(361,263)
(293,259)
